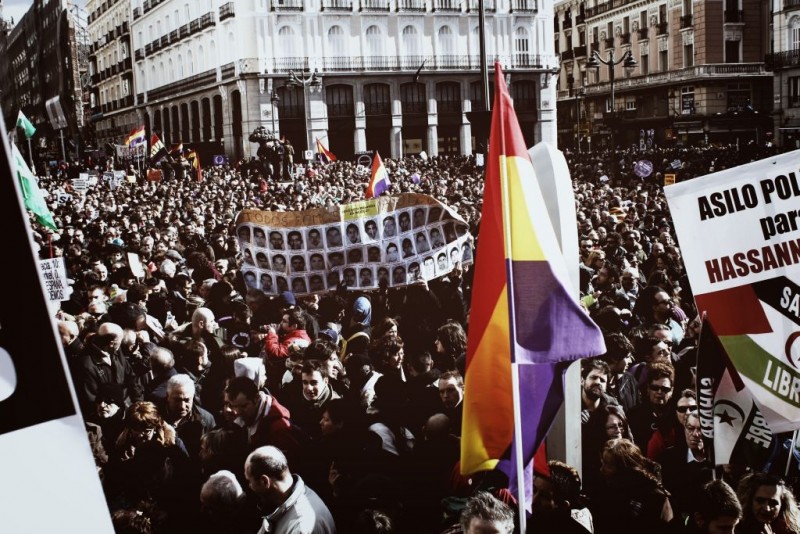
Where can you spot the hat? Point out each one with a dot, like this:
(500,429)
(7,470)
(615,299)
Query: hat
(330,334)
(362,311)
(286,299)
(252,368)
(110,394)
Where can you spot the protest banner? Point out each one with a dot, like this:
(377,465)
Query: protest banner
(400,239)
(740,239)
(44,450)
(54,277)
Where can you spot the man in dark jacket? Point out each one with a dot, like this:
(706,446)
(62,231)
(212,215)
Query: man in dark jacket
(621,384)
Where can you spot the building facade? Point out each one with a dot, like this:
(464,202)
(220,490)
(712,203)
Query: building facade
(700,75)
(397,76)
(784,60)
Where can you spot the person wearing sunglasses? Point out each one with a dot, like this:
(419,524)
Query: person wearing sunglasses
(686,466)
(670,430)
(646,417)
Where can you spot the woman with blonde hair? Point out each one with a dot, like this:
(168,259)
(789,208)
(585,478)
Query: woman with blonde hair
(768,505)
(143,424)
(632,497)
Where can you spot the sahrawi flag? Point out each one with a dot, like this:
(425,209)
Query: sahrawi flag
(734,431)
(31,194)
(522,311)
(25,124)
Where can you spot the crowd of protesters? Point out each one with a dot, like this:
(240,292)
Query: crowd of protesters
(212,407)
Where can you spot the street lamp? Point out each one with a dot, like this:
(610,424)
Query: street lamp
(580,94)
(274,99)
(628,63)
(314,82)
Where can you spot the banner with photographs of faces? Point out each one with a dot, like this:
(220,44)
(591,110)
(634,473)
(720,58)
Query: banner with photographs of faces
(401,239)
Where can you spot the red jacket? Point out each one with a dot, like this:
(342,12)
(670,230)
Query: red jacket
(278,348)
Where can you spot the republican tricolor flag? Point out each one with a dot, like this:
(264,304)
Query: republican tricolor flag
(525,325)
(157,149)
(136,137)
(325,155)
(379,181)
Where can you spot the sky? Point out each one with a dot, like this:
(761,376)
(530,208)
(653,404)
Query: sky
(16,8)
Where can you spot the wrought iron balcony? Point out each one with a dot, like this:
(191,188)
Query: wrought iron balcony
(472,6)
(567,24)
(226,11)
(779,60)
(287,5)
(642,34)
(580,51)
(447,5)
(374,5)
(411,5)
(791,4)
(139,54)
(337,5)
(523,6)
(661,28)
(625,38)
(609,42)
(567,55)
(686,21)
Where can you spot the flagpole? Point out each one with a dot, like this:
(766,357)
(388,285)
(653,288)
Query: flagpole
(30,154)
(519,452)
(789,456)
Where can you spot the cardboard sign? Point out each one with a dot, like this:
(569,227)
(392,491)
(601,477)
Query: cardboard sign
(54,278)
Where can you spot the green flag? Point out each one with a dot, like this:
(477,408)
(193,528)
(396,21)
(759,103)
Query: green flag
(31,195)
(25,124)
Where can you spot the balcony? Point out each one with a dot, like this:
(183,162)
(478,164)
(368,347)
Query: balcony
(163,41)
(137,12)
(472,6)
(779,60)
(226,11)
(207,20)
(595,47)
(580,19)
(146,6)
(567,55)
(580,51)
(661,28)
(642,34)
(567,24)
(337,5)
(374,5)
(148,48)
(125,64)
(125,28)
(194,26)
(734,16)
(791,4)
(411,5)
(609,42)
(139,55)
(523,6)
(556,29)
(174,35)
(184,31)
(686,21)
(287,5)
(625,38)
(451,6)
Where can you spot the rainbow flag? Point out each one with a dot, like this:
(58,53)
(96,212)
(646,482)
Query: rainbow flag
(379,182)
(136,137)
(521,310)
(325,155)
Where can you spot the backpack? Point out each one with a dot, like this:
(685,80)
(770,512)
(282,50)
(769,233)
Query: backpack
(343,351)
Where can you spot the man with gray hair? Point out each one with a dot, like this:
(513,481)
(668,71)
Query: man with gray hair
(224,505)
(485,513)
(162,368)
(292,506)
(190,420)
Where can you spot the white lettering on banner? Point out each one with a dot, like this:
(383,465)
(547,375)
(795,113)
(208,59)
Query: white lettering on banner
(759,432)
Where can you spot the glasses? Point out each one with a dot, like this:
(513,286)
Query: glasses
(666,301)
(657,388)
(684,409)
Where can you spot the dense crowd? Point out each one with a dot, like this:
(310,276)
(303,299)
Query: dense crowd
(212,407)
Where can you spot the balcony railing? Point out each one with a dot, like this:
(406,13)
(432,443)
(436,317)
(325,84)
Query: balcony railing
(472,6)
(686,21)
(404,64)
(556,29)
(207,20)
(447,5)
(226,11)
(287,5)
(567,24)
(698,72)
(567,55)
(411,5)
(734,15)
(337,5)
(139,54)
(789,58)
(580,19)
(374,5)
(625,38)
(580,51)
(642,34)
(146,6)
(661,28)
(791,4)
(609,42)
(523,6)
(174,35)
(595,46)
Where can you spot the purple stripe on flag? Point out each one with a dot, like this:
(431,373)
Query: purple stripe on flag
(548,324)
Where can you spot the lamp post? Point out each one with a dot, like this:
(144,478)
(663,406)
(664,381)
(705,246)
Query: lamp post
(314,82)
(274,99)
(628,63)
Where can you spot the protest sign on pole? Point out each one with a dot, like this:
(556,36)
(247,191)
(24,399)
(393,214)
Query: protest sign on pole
(45,458)
(54,276)
(740,237)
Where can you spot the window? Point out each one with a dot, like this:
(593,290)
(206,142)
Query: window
(448,97)
(374,41)
(412,96)
(739,97)
(663,63)
(688,55)
(447,45)
(687,100)
(340,101)
(794,33)
(411,44)
(732,51)
(377,100)
(336,41)
(644,64)
(794,92)
(522,46)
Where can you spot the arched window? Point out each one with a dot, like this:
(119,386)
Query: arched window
(377,100)
(171,72)
(201,59)
(448,97)
(374,41)
(794,33)
(447,43)
(190,63)
(336,42)
(411,43)
(287,44)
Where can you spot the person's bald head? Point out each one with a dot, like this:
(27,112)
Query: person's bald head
(203,319)
(68,331)
(109,337)
(161,360)
(437,427)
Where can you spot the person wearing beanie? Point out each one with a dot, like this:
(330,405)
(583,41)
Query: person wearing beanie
(356,335)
